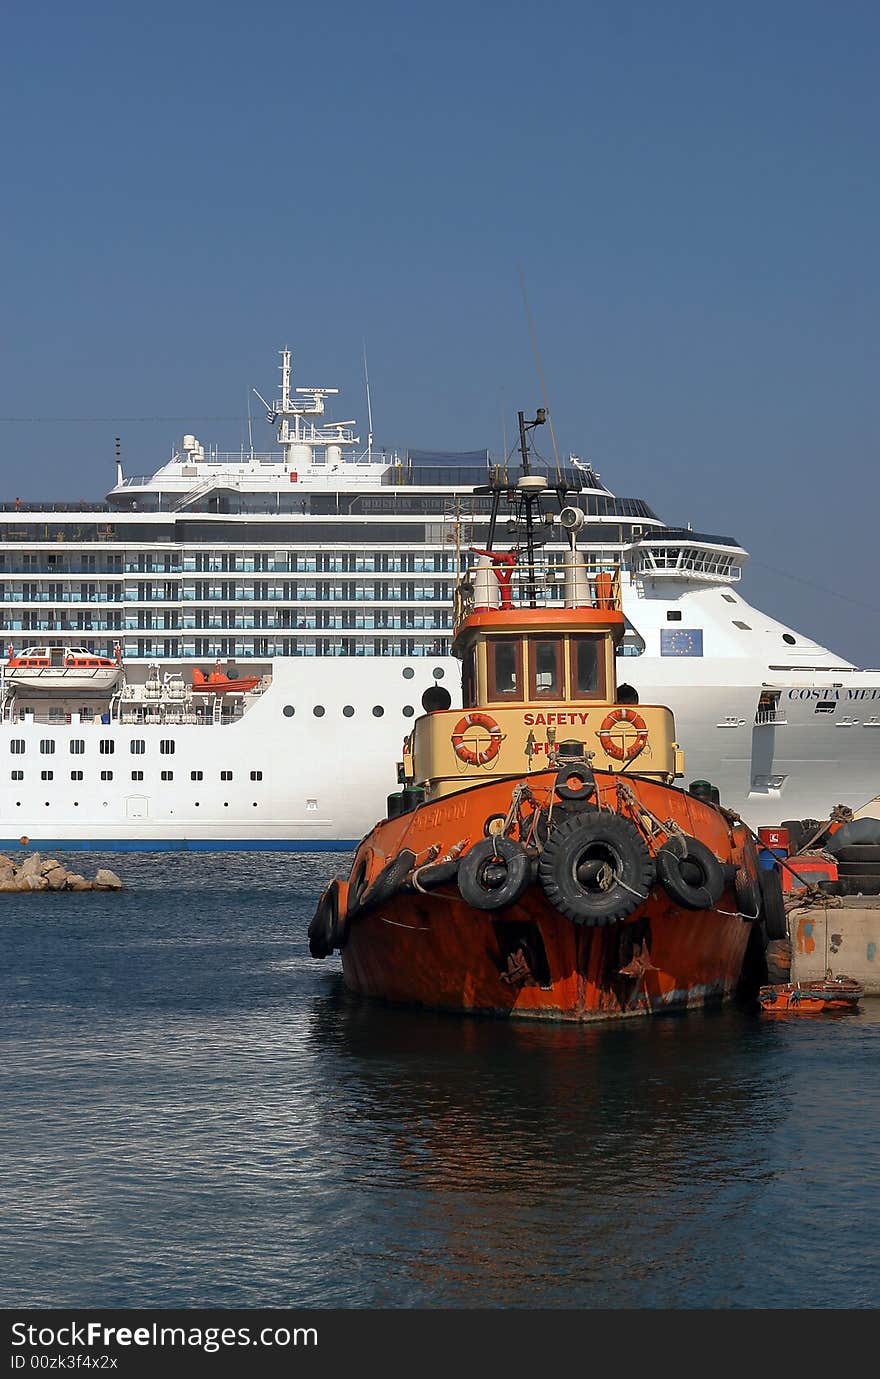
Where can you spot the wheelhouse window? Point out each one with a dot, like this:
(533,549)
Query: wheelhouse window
(545,667)
(505,668)
(587,668)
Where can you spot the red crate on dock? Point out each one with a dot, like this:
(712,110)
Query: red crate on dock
(811,869)
(774,838)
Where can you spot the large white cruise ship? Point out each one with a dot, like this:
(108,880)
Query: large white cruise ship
(228,653)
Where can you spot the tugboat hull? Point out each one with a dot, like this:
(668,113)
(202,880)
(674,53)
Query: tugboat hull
(535,964)
(408,931)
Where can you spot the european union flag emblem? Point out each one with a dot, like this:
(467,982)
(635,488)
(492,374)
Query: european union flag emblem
(681,641)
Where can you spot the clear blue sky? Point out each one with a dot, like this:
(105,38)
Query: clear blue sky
(691,190)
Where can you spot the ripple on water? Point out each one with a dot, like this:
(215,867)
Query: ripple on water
(197,1114)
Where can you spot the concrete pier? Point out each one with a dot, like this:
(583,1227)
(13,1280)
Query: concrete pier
(843,936)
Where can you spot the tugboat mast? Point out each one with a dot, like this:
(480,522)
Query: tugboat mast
(531,488)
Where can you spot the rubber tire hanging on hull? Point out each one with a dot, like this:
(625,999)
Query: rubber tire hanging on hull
(389,880)
(748,894)
(328,928)
(578,851)
(680,852)
(772,904)
(494,873)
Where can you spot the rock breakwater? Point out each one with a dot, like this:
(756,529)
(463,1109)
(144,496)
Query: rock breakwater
(38,873)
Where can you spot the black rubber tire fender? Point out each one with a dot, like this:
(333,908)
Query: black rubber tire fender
(796,834)
(438,873)
(748,894)
(772,903)
(855,833)
(575,794)
(390,880)
(474,883)
(357,882)
(675,860)
(746,883)
(857,885)
(576,848)
(325,929)
(867,855)
(858,872)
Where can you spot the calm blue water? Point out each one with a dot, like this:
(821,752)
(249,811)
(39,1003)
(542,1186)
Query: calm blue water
(196,1114)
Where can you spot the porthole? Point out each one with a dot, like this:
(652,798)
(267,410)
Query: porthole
(378,711)
(348,711)
(225,804)
(408,710)
(254,805)
(288,711)
(439,672)
(787,637)
(197,804)
(319,710)
(408,672)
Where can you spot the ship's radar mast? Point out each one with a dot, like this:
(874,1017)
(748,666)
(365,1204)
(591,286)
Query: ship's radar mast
(297,433)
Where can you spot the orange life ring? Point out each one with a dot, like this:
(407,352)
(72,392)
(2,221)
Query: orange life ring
(468,754)
(617,749)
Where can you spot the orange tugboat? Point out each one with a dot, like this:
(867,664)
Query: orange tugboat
(539,860)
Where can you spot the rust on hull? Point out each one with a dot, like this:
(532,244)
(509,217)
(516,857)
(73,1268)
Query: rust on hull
(527,959)
(535,964)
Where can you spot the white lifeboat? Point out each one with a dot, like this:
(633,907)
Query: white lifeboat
(62,670)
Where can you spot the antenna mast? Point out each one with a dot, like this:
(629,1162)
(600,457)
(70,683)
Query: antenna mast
(530,487)
(534,339)
(369,407)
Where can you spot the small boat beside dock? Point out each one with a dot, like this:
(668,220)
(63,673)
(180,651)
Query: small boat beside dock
(811,998)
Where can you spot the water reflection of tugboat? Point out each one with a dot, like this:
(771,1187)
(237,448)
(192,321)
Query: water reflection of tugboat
(525,868)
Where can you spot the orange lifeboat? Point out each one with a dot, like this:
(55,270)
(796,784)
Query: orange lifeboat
(217,683)
(811,998)
(540,861)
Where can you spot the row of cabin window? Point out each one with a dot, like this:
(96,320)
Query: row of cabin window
(546,662)
(135,775)
(106,746)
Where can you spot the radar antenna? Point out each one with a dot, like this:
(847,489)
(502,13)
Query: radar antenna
(369,407)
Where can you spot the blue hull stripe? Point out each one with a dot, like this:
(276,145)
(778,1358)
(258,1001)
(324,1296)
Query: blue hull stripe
(180,845)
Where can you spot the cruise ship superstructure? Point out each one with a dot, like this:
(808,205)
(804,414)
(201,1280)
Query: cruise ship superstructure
(278,617)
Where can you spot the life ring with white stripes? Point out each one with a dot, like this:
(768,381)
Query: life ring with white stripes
(471,755)
(623,751)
